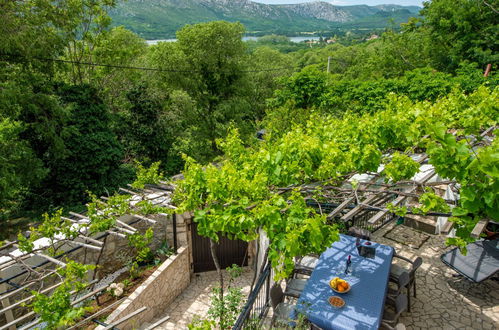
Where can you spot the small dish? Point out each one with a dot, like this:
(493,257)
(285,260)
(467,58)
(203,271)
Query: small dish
(336,302)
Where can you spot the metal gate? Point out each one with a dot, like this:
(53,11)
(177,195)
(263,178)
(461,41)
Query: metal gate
(229,252)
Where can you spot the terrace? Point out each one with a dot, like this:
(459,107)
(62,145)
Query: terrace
(444,300)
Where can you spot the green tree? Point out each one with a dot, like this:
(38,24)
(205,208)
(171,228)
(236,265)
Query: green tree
(462,30)
(19,167)
(146,130)
(207,85)
(93,155)
(118,47)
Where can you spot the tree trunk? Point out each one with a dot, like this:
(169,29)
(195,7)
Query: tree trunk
(213,248)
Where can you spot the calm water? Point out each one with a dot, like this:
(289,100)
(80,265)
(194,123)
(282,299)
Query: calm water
(293,39)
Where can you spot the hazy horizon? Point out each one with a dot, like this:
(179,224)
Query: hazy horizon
(349,2)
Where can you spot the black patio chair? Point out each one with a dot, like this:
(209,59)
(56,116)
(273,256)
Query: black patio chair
(294,287)
(282,310)
(392,293)
(396,271)
(306,265)
(391,315)
(480,262)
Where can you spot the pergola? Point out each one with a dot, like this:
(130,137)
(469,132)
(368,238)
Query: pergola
(42,275)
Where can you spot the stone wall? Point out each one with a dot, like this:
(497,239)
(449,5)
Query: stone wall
(157,292)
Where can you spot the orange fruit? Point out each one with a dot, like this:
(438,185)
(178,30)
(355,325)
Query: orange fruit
(340,288)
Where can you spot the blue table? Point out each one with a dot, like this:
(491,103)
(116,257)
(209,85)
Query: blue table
(369,282)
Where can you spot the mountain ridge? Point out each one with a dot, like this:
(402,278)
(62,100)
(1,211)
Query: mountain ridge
(153,19)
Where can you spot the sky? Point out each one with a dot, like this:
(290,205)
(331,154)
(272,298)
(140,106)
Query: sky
(350,2)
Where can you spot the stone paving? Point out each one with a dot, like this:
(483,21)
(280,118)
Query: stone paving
(443,301)
(195,300)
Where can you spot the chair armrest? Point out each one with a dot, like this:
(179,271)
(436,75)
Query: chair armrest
(303,270)
(403,258)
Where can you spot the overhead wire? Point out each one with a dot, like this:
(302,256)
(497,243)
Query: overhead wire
(44,59)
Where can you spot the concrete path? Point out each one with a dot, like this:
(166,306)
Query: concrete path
(195,300)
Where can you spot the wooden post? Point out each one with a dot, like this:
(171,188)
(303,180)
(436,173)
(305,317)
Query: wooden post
(6,303)
(328,64)
(487,70)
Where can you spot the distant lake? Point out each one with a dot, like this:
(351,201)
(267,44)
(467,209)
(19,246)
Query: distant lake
(293,39)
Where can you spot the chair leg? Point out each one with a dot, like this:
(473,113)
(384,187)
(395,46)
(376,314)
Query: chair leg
(414,288)
(409,298)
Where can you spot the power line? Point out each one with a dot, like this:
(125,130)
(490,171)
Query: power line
(136,67)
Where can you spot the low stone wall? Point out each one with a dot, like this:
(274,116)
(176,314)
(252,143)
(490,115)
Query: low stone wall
(156,293)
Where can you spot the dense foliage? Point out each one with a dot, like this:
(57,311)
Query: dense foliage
(78,110)
(84,107)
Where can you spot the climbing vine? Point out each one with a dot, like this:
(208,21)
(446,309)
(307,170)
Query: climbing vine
(243,192)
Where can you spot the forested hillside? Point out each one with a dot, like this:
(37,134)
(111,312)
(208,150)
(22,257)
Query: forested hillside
(160,19)
(82,103)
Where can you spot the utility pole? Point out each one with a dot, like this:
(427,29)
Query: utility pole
(328,64)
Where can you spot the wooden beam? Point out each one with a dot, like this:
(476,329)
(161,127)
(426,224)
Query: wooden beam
(126,225)
(55,261)
(130,192)
(479,227)
(79,215)
(447,227)
(340,207)
(26,286)
(9,316)
(115,233)
(16,321)
(144,218)
(19,302)
(158,323)
(101,311)
(400,199)
(90,239)
(93,247)
(126,318)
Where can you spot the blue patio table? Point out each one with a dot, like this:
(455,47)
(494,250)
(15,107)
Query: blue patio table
(369,282)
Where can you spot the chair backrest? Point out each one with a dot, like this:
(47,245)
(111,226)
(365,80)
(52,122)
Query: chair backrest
(415,265)
(401,304)
(276,295)
(403,279)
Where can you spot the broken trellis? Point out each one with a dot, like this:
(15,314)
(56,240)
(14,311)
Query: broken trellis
(45,277)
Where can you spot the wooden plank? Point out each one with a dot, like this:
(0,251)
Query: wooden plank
(126,318)
(158,323)
(17,303)
(9,316)
(16,321)
(381,214)
(340,207)
(55,261)
(479,227)
(102,311)
(400,199)
(447,227)
(358,208)
(144,218)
